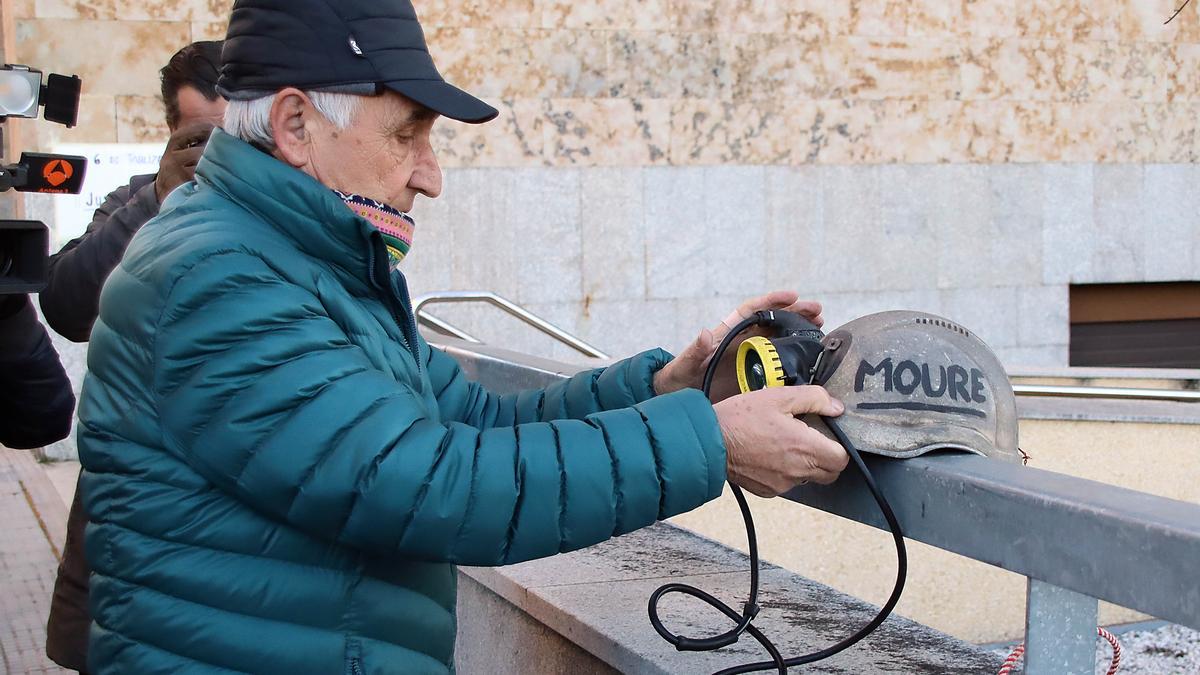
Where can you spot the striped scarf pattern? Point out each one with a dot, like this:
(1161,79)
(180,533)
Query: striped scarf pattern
(395,225)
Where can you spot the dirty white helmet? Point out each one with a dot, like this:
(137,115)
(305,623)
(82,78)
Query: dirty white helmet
(912,383)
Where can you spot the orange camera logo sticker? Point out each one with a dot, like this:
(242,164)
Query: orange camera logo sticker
(57,172)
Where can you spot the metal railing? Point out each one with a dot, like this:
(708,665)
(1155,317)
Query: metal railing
(1123,393)
(576,342)
(425,318)
(502,303)
(1077,541)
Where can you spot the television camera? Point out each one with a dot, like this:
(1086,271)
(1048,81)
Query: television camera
(25,244)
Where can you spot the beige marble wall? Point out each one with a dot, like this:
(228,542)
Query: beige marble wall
(117,48)
(699,82)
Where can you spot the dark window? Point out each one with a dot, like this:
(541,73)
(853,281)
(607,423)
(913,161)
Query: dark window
(1136,325)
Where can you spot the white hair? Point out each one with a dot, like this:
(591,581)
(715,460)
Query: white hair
(251,120)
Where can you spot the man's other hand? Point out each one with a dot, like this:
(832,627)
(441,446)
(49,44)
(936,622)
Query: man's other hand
(768,451)
(178,164)
(687,370)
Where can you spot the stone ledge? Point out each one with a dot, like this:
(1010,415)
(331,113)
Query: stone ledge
(596,599)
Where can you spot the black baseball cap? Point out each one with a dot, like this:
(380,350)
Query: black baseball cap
(350,46)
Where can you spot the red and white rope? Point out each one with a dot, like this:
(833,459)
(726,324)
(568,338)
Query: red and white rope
(1113,667)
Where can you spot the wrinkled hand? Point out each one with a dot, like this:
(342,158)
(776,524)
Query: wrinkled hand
(687,370)
(178,164)
(768,451)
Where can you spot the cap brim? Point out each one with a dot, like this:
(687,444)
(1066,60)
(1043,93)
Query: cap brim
(446,100)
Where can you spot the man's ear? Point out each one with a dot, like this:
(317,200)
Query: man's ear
(289,113)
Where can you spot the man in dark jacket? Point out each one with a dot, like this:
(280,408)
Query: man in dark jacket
(36,403)
(77,273)
(71,300)
(279,472)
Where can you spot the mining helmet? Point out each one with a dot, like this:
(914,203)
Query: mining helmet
(912,382)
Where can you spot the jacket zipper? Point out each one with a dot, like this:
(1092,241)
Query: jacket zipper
(354,656)
(407,324)
(406,303)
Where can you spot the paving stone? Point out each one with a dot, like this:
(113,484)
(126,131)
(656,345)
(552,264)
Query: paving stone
(34,530)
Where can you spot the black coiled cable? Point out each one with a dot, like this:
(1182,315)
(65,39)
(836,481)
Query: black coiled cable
(745,619)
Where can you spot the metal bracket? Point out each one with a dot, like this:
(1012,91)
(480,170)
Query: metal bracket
(1060,631)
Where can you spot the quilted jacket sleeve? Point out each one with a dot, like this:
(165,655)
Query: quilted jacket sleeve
(266,397)
(621,385)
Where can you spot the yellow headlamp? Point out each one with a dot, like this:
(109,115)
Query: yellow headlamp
(759,365)
(789,358)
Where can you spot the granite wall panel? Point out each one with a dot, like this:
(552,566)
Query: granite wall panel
(1172,188)
(612,204)
(992,247)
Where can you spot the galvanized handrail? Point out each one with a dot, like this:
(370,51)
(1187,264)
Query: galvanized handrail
(1076,540)
(1125,393)
(445,327)
(508,306)
(1186,375)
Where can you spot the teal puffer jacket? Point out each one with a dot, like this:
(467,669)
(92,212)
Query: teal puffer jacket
(280,474)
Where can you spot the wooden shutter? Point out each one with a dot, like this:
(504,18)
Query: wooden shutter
(1136,325)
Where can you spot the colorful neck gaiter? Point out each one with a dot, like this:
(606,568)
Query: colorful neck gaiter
(395,226)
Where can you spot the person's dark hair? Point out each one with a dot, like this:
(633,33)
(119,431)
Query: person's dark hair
(196,65)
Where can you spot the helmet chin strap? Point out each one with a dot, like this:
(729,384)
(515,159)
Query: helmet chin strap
(744,620)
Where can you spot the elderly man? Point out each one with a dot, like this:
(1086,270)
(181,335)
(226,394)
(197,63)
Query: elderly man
(279,472)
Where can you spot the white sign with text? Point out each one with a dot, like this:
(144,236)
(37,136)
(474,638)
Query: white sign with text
(110,165)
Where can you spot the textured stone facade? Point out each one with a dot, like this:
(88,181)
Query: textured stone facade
(685,82)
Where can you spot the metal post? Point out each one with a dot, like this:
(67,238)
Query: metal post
(1060,631)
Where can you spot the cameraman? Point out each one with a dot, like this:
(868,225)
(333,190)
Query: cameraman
(71,300)
(36,403)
